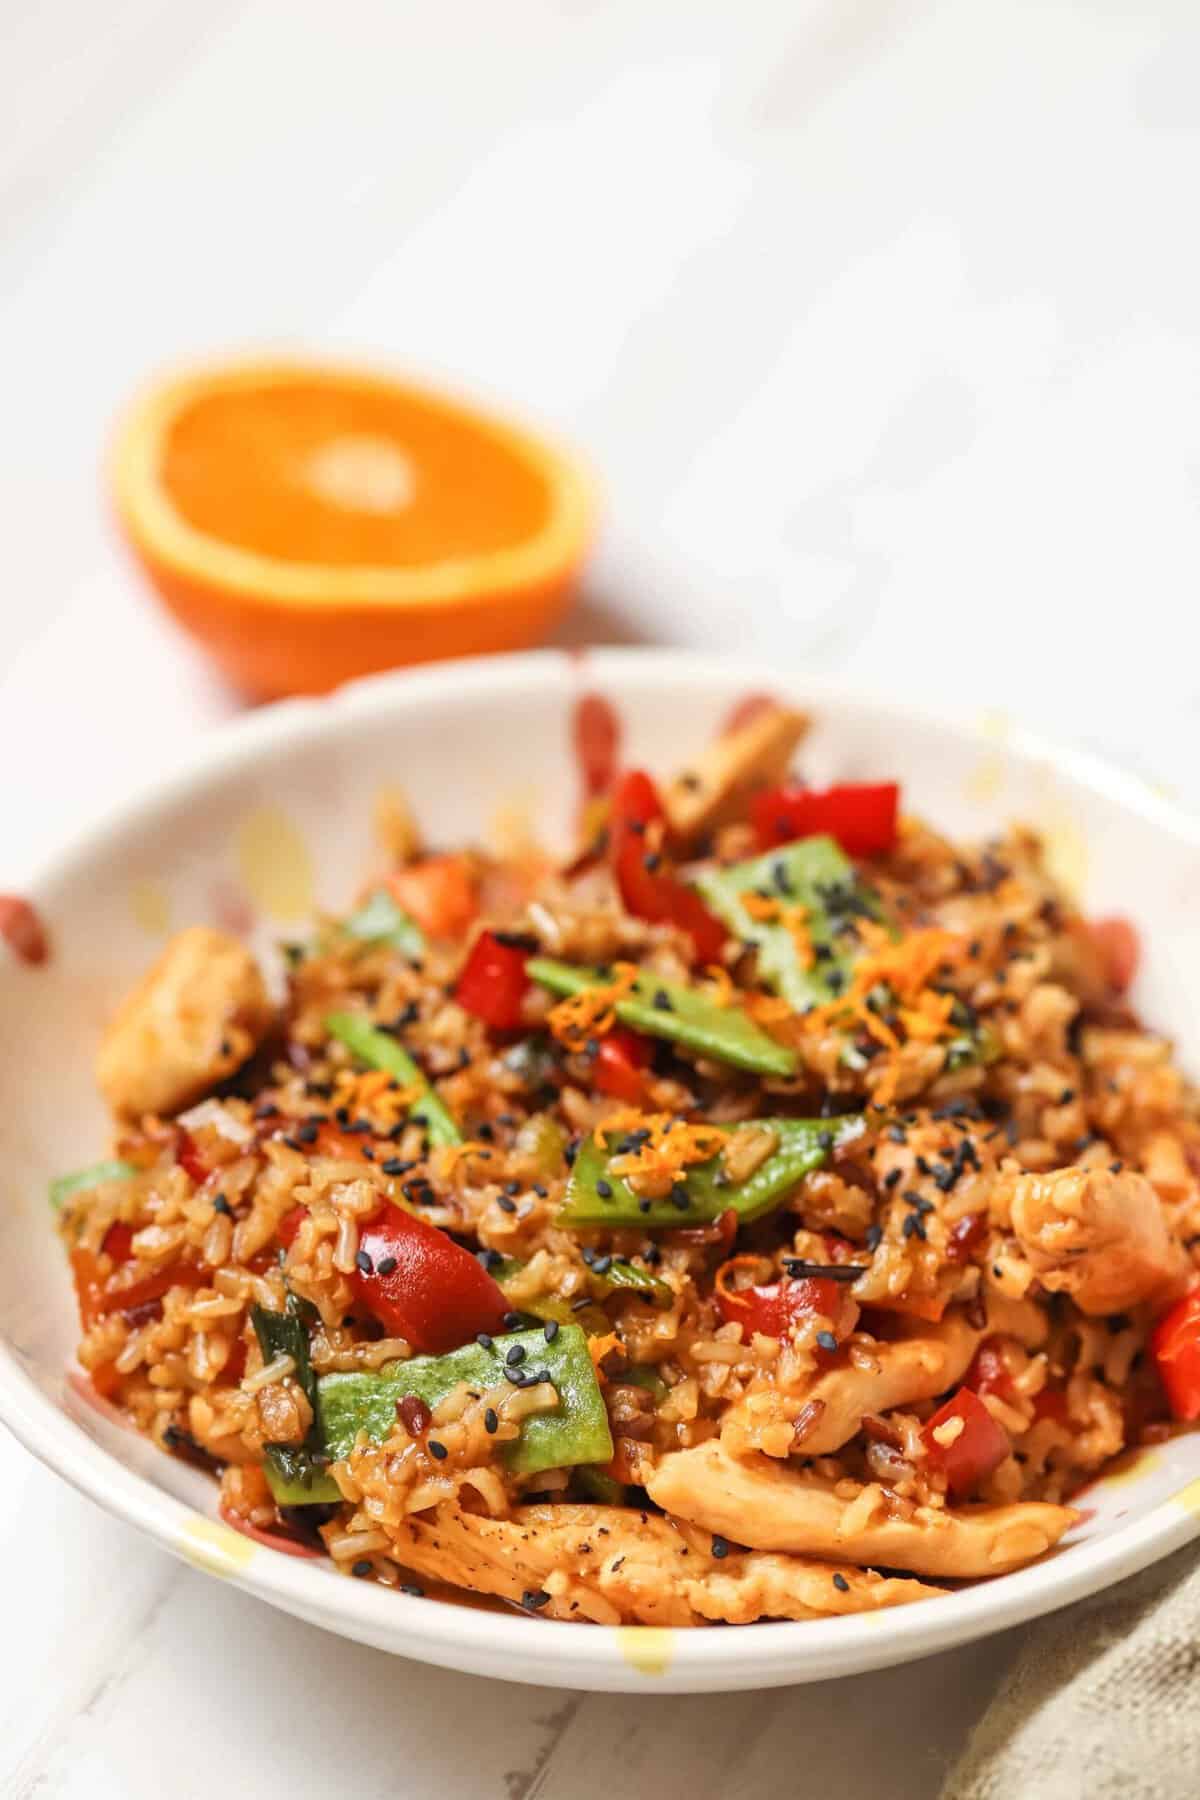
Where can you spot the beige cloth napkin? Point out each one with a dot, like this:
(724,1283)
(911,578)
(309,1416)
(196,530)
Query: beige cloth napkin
(1102,1703)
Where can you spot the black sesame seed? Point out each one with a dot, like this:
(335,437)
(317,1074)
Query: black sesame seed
(385,1265)
(841,1584)
(651,861)
(827,1340)
(506,1205)
(874,1236)
(361,1568)
(720,1548)
(308,1134)
(534,1598)
(550,1330)
(490,1419)
(514,1355)
(601,1265)
(680,1197)
(491,1259)
(662,1001)
(483,1339)
(410,1587)
(364,1262)
(604,1189)
(221,1205)
(436,1450)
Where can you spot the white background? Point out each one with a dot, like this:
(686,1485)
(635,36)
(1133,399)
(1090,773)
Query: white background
(881,321)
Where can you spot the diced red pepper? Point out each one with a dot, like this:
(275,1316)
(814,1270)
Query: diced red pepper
(622,1058)
(860,815)
(118,1241)
(1175,1346)
(988,1373)
(290,1224)
(775,1308)
(648,886)
(98,1297)
(188,1156)
(423,1286)
(966,1236)
(1051,1403)
(440,893)
(493,982)
(1120,950)
(979,1447)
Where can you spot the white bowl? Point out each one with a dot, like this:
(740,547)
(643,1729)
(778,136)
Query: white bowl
(274,813)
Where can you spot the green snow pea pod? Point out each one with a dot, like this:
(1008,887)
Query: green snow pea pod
(379,1051)
(595,1196)
(668,1009)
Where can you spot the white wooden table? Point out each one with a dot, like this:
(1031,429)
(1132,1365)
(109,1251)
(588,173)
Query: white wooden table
(882,322)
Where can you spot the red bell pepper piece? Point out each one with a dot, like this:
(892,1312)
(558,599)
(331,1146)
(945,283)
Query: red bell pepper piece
(440,893)
(860,815)
(775,1308)
(290,1224)
(493,982)
(1175,1347)
(648,887)
(1050,1403)
(988,1373)
(118,1241)
(622,1057)
(188,1156)
(423,1286)
(98,1297)
(1120,950)
(979,1447)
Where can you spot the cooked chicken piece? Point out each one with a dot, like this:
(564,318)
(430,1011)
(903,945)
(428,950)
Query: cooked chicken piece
(191,1021)
(1099,1235)
(714,786)
(616,1566)
(831,1409)
(826,1414)
(791,1510)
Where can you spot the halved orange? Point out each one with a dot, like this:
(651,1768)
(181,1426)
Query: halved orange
(312,523)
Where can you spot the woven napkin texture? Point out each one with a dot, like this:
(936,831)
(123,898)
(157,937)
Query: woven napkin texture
(1102,1703)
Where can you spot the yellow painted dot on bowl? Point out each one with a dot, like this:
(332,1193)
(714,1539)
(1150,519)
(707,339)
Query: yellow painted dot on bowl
(216,1548)
(984,783)
(150,905)
(1189,1498)
(647,1648)
(275,864)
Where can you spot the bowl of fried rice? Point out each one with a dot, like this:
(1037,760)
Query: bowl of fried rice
(616,1170)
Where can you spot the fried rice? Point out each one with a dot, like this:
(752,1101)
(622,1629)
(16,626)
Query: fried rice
(774,1211)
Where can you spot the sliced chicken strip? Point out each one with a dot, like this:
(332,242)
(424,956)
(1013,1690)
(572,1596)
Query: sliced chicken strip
(828,1413)
(831,1409)
(192,1020)
(617,1566)
(715,784)
(1099,1235)
(783,1509)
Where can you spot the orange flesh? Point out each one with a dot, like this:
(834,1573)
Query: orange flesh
(313,473)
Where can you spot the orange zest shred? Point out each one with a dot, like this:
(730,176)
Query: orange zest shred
(722,981)
(375,1095)
(599,1347)
(451,1155)
(794,918)
(672,1146)
(593,1011)
(906,967)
